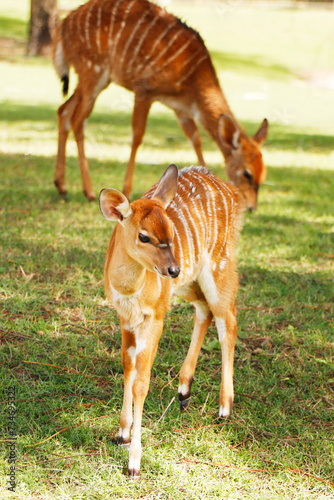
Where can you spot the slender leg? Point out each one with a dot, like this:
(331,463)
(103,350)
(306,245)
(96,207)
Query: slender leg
(146,348)
(128,360)
(227,332)
(80,115)
(190,129)
(65,112)
(139,119)
(203,317)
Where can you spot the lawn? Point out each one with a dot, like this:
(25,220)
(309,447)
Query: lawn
(60,341)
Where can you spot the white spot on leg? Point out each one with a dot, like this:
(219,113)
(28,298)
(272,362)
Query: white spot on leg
(221,327)
(132,354)
(183,389)
(223,412)
(124,434)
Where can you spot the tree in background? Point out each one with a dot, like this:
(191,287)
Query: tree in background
(43,20)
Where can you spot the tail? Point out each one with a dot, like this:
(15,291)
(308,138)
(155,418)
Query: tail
(60,63)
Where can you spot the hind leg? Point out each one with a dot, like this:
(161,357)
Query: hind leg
(227,333)
(203,317)
(65,113)
(78,120)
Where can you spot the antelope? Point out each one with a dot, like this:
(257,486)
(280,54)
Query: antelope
(140,46)
(179,238)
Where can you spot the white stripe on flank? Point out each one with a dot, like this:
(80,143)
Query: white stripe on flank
(134,31)
(203,209)
(164,50)
(192,69)
(158,40)
(195,234)
(98,30)
(177,53)
(218,188)
(80,31)
(172,206)
(214,216)
(87,24)
(189,236)
(119,33)
(140,43)
(194,204)
(111,26)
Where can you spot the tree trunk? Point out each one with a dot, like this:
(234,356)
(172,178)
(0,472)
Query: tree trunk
(43,20)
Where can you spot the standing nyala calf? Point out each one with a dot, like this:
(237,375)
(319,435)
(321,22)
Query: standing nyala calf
(178,238)
(141,47)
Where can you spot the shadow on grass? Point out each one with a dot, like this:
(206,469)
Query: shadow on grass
(163,130)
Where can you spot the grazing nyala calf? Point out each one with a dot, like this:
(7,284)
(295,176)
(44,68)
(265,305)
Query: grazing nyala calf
(141,47)
(178,238)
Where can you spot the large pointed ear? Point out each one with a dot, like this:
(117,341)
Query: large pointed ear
(114,205)
(228,133)
(167,186)
(261,134)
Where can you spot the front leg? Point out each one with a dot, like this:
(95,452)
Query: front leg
(147,339)
(128,360)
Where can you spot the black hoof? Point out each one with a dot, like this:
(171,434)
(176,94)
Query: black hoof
(134,473)
(184,404)
(90,197)
(63,196)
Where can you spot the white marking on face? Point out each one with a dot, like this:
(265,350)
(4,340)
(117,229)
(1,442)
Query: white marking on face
(97,68)
(214,266)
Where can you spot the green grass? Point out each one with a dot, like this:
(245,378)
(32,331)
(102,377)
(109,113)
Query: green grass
(59,340)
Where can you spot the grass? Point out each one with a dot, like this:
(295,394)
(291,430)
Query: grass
(59,340)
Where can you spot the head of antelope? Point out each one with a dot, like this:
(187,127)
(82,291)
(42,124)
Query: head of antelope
(146,230)
(244,163)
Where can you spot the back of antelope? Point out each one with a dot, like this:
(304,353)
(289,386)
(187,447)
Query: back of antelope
(178,238)
(141,47)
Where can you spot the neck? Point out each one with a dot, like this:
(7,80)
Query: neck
(122,272)
(211,102)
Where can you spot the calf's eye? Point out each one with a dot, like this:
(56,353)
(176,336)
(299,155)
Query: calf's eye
(144,238)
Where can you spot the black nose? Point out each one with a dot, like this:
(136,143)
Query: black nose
(173,272)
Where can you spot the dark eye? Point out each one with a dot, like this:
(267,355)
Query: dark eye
(144,238)
(248,175)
